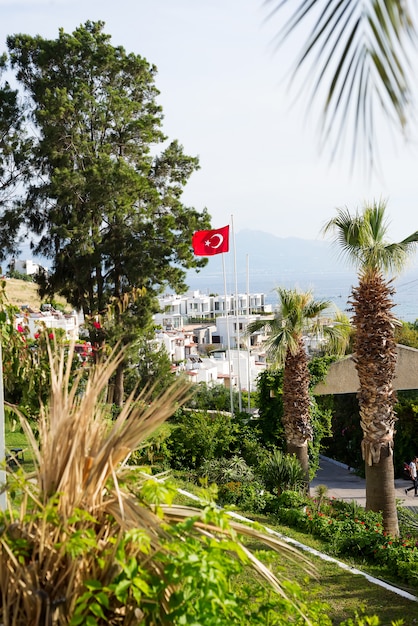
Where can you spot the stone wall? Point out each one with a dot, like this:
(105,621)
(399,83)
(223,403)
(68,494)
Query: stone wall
(342,375)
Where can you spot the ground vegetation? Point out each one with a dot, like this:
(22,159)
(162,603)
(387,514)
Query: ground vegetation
(89,539)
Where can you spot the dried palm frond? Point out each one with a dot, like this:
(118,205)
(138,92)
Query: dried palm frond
(78,521)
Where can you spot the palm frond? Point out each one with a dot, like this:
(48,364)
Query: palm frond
(361,238)
(357,53)
(83,518)
(338,334)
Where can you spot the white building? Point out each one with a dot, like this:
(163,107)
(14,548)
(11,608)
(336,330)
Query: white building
(27,267)
(36,321)
(178,344)
(201,370)
(237,326)
(245,367)
(177,311)
(239,368)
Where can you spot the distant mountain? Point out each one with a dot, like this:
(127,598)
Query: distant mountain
(291,253)
(271,261)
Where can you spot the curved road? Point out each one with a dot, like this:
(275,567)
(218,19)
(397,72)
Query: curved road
(343,484)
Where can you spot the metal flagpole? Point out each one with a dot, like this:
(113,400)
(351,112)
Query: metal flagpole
(248,337)
(236,315)
(228,334)
(3,502)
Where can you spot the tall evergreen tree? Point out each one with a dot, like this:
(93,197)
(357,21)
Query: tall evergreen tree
(15,148)
(105,206)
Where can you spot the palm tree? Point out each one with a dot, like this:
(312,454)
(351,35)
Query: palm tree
(298,314)
(362,238)
(356,55)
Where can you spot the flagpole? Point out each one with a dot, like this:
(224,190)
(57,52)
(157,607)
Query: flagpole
(228,335)
(207,243)
(236,315)
(248,336)
(3,502)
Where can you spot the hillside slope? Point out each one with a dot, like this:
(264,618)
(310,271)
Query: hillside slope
(21,292)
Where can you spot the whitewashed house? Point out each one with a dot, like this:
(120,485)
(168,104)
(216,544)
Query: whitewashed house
(178,344)
(176,311)
(245,367)
(237,326)
(36,321)
(201,370)
(27,267)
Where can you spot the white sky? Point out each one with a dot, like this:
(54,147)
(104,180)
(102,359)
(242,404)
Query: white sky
(225,98)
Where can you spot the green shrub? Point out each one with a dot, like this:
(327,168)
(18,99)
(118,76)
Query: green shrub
(350,530)
(199,437)
(281,472)
(293,500)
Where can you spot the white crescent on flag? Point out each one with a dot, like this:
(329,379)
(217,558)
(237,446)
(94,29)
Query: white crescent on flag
(220,241)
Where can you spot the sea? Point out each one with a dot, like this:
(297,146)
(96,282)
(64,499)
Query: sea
(333,286)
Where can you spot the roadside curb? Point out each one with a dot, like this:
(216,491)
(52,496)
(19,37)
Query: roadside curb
(338,463)
(321,555)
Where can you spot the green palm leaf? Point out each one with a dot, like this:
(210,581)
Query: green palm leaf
(361,237)
(357,54)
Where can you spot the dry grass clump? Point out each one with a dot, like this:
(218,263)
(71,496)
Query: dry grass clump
(85,545)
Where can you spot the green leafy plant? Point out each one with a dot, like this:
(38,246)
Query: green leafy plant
(90,539)
(349,530)
(282,472)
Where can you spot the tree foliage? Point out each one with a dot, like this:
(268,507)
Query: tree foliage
(406,333)
(104,201)
(105,207)
(15,148)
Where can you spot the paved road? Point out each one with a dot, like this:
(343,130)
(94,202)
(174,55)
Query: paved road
(344,485)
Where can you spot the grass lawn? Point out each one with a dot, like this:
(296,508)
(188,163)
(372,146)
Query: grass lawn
(345,592)
(15,438)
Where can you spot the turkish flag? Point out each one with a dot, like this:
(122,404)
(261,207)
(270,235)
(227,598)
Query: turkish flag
(209,242)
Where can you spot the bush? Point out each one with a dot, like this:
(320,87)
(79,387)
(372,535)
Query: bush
(200,437)
(350,531)
(282,472)
(94,541)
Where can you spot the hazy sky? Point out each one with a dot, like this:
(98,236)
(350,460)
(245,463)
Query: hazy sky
(225,98)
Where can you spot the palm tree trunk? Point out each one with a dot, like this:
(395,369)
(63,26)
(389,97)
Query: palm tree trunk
(296,406)
(380,490)
(301,453)
(375,353)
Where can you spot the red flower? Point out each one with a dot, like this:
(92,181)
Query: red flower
(97,325)
(51,335)
(20,328)
(37,335)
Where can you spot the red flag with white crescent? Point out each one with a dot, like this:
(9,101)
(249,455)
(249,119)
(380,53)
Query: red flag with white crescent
(209,242)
